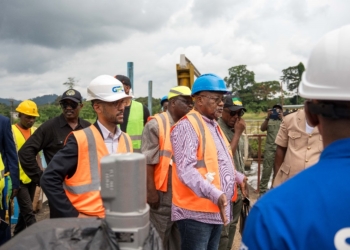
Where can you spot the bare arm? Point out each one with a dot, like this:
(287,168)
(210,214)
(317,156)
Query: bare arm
(279,158)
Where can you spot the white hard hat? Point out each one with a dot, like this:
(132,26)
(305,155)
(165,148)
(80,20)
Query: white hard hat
(328,71)
(106,88)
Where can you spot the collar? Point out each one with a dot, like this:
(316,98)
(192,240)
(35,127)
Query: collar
(171,120)
(106,133)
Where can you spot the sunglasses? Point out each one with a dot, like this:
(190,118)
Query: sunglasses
(73,105)
(240,112)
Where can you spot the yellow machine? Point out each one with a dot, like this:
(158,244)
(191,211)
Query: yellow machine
(185,72)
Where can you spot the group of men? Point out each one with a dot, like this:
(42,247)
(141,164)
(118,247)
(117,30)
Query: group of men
(195,183)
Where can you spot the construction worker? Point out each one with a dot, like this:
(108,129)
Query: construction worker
(50,136)
(135,115)
(71,181)
(8,168)
(314,213)
(299,146)
(156,147)
(271,125)
(164,102)
(233,125)
(203,177)
(27,113)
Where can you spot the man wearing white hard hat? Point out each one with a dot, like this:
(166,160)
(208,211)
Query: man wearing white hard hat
(314,213)
(79,161)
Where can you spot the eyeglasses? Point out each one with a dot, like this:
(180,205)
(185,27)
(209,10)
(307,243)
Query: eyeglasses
(240,112)
(187,102)
(216,99)
(73,105)
(116,104)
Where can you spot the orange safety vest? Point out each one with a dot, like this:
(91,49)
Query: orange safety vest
(207,161)
(83,188)
(161,171)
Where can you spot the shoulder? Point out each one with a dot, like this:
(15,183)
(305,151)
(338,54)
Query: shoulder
(293,116)
(4,119)
(84,123)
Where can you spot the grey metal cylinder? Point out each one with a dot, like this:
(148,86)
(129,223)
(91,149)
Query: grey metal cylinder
(123,191)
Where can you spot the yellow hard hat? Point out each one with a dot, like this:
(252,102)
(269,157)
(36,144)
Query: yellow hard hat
(179,90)
(28,107)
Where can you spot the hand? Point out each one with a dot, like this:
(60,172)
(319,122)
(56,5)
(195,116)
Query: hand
(269,112)
(222,203)
(244,187)
(81,215)
(14,193)
(153,199)
(240,126)
(280,115)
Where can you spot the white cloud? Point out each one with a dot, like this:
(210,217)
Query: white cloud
(43,44)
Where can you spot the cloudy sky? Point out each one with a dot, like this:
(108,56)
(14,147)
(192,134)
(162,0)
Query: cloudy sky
(42,43)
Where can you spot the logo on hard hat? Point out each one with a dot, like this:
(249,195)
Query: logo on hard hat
(70,92)
(117,89)
(236,101)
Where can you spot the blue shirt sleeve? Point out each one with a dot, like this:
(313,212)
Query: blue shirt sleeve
(9,153)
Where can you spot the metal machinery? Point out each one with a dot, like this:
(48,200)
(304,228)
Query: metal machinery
(123,191)
(186,72)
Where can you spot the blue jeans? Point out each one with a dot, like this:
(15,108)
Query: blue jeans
(198,235)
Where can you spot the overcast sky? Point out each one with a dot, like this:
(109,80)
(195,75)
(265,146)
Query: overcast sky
(42,43)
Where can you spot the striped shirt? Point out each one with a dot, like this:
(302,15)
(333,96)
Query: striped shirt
(185,143)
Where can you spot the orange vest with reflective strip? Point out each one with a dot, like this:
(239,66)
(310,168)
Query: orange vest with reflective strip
(83,188)
(161,171)
(207,161)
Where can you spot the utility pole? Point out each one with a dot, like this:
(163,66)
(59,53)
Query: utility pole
(11,112)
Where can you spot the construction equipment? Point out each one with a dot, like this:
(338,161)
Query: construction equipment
(186,72)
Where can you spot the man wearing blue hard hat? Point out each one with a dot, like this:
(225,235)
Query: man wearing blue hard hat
(203,172)
(164,103)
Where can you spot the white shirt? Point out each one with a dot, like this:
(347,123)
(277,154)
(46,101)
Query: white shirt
(309,129)
(110,139)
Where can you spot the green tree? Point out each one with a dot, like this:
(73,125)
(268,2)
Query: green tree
(292,76)
(70,83)
(266,90)
(239,78)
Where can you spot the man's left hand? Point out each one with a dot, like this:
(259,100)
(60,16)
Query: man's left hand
(14,193)
(245,188)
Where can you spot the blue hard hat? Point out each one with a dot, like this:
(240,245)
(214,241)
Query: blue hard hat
(164,99)
(209,82)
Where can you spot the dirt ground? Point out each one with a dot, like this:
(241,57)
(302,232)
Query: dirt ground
(44,213)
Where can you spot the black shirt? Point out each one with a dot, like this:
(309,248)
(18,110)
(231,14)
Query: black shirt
(49,137)
(146,114)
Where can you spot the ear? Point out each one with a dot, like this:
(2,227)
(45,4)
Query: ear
(312,119)
(97,107)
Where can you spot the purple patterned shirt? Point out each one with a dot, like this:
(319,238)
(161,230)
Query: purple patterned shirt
(185,143)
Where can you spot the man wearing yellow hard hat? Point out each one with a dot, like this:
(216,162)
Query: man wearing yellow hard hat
(22,130)
(156,146)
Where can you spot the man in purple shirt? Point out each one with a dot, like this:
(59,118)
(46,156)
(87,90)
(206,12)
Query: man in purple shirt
(204,176)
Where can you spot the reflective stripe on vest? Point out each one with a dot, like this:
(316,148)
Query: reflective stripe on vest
(161,170)
(19,141)
(135,124)
(2,179)
(83,188)
(207,161)
(93,162)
